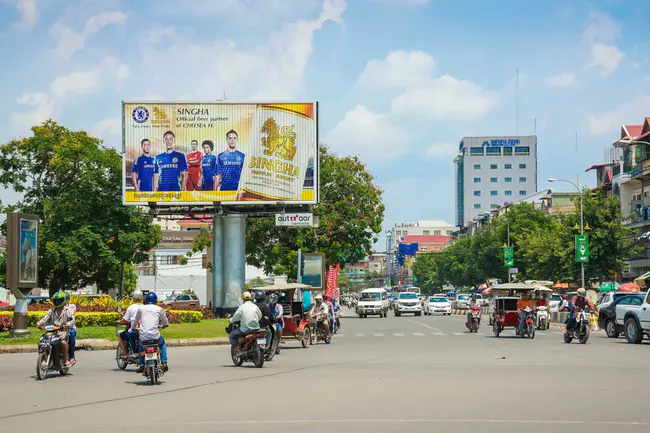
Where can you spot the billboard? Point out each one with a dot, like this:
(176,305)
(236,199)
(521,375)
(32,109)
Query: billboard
(22,250)
(227,152)
(313,270)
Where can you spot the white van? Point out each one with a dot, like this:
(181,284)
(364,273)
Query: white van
(373,302)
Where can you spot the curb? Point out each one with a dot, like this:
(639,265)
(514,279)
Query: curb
(112,345)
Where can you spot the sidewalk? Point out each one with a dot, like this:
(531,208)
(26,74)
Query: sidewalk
(97,344)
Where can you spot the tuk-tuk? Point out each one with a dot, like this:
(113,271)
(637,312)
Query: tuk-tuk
(290,298)
(504,313)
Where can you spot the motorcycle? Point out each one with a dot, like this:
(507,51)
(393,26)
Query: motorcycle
(318,330)
(131,356)
(529,324)
(50,356)
(541,318)
(580,330)
(475,318)
(337,322)
(274,348)
(153,369)
(250,347)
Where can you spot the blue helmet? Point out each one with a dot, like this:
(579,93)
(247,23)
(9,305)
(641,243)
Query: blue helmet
(151,298)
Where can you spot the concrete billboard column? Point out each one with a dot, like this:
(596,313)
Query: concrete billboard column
(217,262)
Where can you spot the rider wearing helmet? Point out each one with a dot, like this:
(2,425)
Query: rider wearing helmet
(320,309)
(579,303)
(72,332)
(59,316)
(337,311)
(148,320)
(267,316)
(276,311)
(129,335)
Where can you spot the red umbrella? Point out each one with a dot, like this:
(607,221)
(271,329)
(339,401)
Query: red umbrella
(629,287)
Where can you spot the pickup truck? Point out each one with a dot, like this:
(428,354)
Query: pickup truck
(635,319)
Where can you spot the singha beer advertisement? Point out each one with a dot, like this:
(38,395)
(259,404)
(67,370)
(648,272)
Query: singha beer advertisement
(227,152)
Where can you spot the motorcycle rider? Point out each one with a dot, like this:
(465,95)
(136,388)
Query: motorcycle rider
(267,316)
(72,332)
(320,312)
(337,312)
(522,303)
(248,316)
(59,316)
(579,303)
(276,311)
(130,334)
(148,320)
(471,304)
(540,301)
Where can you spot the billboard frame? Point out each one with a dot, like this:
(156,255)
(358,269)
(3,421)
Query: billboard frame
(14,280)
(229,203)
(323,275)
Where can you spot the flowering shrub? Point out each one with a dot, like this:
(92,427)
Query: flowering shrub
(99,318)
(6,323)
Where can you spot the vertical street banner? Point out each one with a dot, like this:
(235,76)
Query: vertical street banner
(582,248)
(509,257)
(332,280)
(227,152)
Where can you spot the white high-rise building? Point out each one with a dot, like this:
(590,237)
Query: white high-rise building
(421,228)
(491,171)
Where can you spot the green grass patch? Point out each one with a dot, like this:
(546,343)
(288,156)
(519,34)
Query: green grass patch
(202,329)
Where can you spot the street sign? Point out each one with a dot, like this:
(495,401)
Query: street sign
(582,248)
(509,257)
(514,270)
(294,219)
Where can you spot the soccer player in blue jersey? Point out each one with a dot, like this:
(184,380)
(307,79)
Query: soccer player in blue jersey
(230,164)
(171,167)
(208,167)
(143,168)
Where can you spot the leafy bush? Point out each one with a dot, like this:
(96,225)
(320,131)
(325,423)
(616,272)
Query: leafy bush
(103,318)
(6,323)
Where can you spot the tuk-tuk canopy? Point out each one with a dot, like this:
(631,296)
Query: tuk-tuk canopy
(513,286)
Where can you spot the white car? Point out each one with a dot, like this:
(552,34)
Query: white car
(437,305)
(408,303)
(461,302)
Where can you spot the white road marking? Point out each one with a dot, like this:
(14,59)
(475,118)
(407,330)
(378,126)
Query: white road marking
(359,335)
(378,334)
(426,326)
(398,334)
(418,334)
(458,333)
(437,333)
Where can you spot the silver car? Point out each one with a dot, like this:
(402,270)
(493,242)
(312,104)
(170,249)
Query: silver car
(461,302)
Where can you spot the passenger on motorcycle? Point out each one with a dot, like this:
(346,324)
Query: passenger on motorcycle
(129,336)
(59,316)
(540,301)
(72,332)
(248,316)
(276,311)
(267,316)
(148,320)
(471,304)
(579,303)
(524,302)
(330,313)
(337,311)
(319,311)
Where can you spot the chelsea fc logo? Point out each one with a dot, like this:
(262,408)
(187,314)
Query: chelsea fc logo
(140,114)
(174,160)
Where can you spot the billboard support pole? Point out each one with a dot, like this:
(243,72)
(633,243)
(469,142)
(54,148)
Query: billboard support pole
(299,277)
(217,262)
(234,261)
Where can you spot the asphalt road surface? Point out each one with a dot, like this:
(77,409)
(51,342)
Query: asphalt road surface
(398,374)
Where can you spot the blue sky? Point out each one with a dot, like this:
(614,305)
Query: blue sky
(399,81)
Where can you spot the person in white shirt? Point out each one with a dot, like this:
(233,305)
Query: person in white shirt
(148,320)
(129,316)
(248,315)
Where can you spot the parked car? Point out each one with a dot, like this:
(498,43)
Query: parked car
(607,313)
(461,301)
(437,305)
(635,319)
(183,300)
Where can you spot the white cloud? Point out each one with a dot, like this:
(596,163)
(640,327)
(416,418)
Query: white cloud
(626,113)
(564,79)
(367,134)
(442,148)
(398,69)
(446,98)
(69,41)
(111,127)
(28,11)
(607,57)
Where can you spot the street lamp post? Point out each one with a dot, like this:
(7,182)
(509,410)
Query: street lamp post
(508,226)
(582,225)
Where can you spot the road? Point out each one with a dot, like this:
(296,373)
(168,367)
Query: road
(406,374)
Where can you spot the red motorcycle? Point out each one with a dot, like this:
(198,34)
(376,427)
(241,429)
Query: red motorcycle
(250,347)
(474,320)
(529,324)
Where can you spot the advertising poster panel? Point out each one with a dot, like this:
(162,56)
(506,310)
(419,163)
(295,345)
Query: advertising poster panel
(22,250)
(227,152)
(313,272)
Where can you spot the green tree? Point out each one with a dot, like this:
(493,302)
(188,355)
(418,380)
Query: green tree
(351,214)
(257,282)
(73,183)
(343,281)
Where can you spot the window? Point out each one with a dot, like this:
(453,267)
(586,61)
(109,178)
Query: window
(477,206)
(476,151)
(398,233)
(508,166)
(477,193)
(493,193)
(507,151)
(493,179)
(493,151)
(494,206)
(436,232)
(508,179)
(522,192)
(508,192)
(493,166)
(522,179)
(523,150)
(477,180)
(522,166)
(477,166)
(426,232)
(405,232)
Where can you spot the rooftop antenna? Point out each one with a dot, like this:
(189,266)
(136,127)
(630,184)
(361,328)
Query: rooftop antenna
(517,102)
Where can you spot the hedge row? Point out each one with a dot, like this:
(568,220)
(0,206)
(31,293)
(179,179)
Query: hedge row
(206,313)
(98,319)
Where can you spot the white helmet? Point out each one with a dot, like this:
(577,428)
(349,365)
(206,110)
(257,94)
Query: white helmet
(318,297)
(137,295)
(582,292)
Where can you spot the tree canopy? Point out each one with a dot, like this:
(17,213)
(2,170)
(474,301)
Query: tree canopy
(73,182)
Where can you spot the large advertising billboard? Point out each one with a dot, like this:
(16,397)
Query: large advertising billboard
(227,152)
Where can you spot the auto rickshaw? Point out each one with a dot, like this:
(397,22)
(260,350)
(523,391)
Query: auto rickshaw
(504,313)
(290,297)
